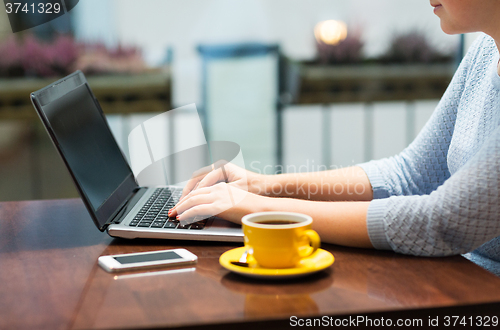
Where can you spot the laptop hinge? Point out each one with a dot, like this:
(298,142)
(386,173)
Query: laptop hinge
(122,212)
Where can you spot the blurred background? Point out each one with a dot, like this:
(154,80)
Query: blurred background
(299,85)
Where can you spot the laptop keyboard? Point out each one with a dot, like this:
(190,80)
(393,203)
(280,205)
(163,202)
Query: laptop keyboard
(154,213)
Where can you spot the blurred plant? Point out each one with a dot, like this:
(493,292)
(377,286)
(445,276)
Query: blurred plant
(32,57)
(413,47)
(11,58)
(346,51)
(97,59)
(64,54)
(45,60)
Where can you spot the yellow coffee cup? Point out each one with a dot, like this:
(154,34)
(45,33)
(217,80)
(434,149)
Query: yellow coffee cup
(279,239)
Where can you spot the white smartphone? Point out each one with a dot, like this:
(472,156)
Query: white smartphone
(132,261)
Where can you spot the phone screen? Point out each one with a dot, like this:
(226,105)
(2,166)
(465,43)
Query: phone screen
(168,255)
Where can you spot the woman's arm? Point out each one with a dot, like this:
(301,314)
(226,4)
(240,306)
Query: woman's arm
(458,217)
(345,184)
(341,223)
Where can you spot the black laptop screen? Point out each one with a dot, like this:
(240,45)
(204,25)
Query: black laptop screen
(88,146)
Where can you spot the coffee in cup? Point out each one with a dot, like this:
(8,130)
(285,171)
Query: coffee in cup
(279,239)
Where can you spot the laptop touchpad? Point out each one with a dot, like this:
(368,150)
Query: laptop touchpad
(218,223)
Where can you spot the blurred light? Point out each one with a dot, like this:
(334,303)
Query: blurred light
(330,32)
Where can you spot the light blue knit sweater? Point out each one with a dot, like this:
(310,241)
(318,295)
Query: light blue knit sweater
(441,195)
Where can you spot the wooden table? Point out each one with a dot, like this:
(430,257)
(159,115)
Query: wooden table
(49,279)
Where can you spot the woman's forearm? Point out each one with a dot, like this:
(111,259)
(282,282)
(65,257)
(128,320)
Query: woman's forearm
(345,184)
(342,223)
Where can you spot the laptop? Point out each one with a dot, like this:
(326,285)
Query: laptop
(78,128)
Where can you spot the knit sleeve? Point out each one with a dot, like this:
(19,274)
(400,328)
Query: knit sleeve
(457,217)
(422,166)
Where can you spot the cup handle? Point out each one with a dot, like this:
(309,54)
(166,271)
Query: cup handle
(314,242)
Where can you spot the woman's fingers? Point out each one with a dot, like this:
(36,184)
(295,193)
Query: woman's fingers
(192,201)
(189,192)
(222,199)
(190,186)
(206,176)
(212,178)
(180,207)
(197,212)
(197,176)
(219,195)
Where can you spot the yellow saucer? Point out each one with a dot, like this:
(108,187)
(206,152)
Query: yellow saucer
(317,261)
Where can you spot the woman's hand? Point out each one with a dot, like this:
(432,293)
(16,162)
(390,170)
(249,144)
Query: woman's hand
(222,171)
(225,200)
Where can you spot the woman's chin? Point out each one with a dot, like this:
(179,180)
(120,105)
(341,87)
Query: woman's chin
(448,29)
